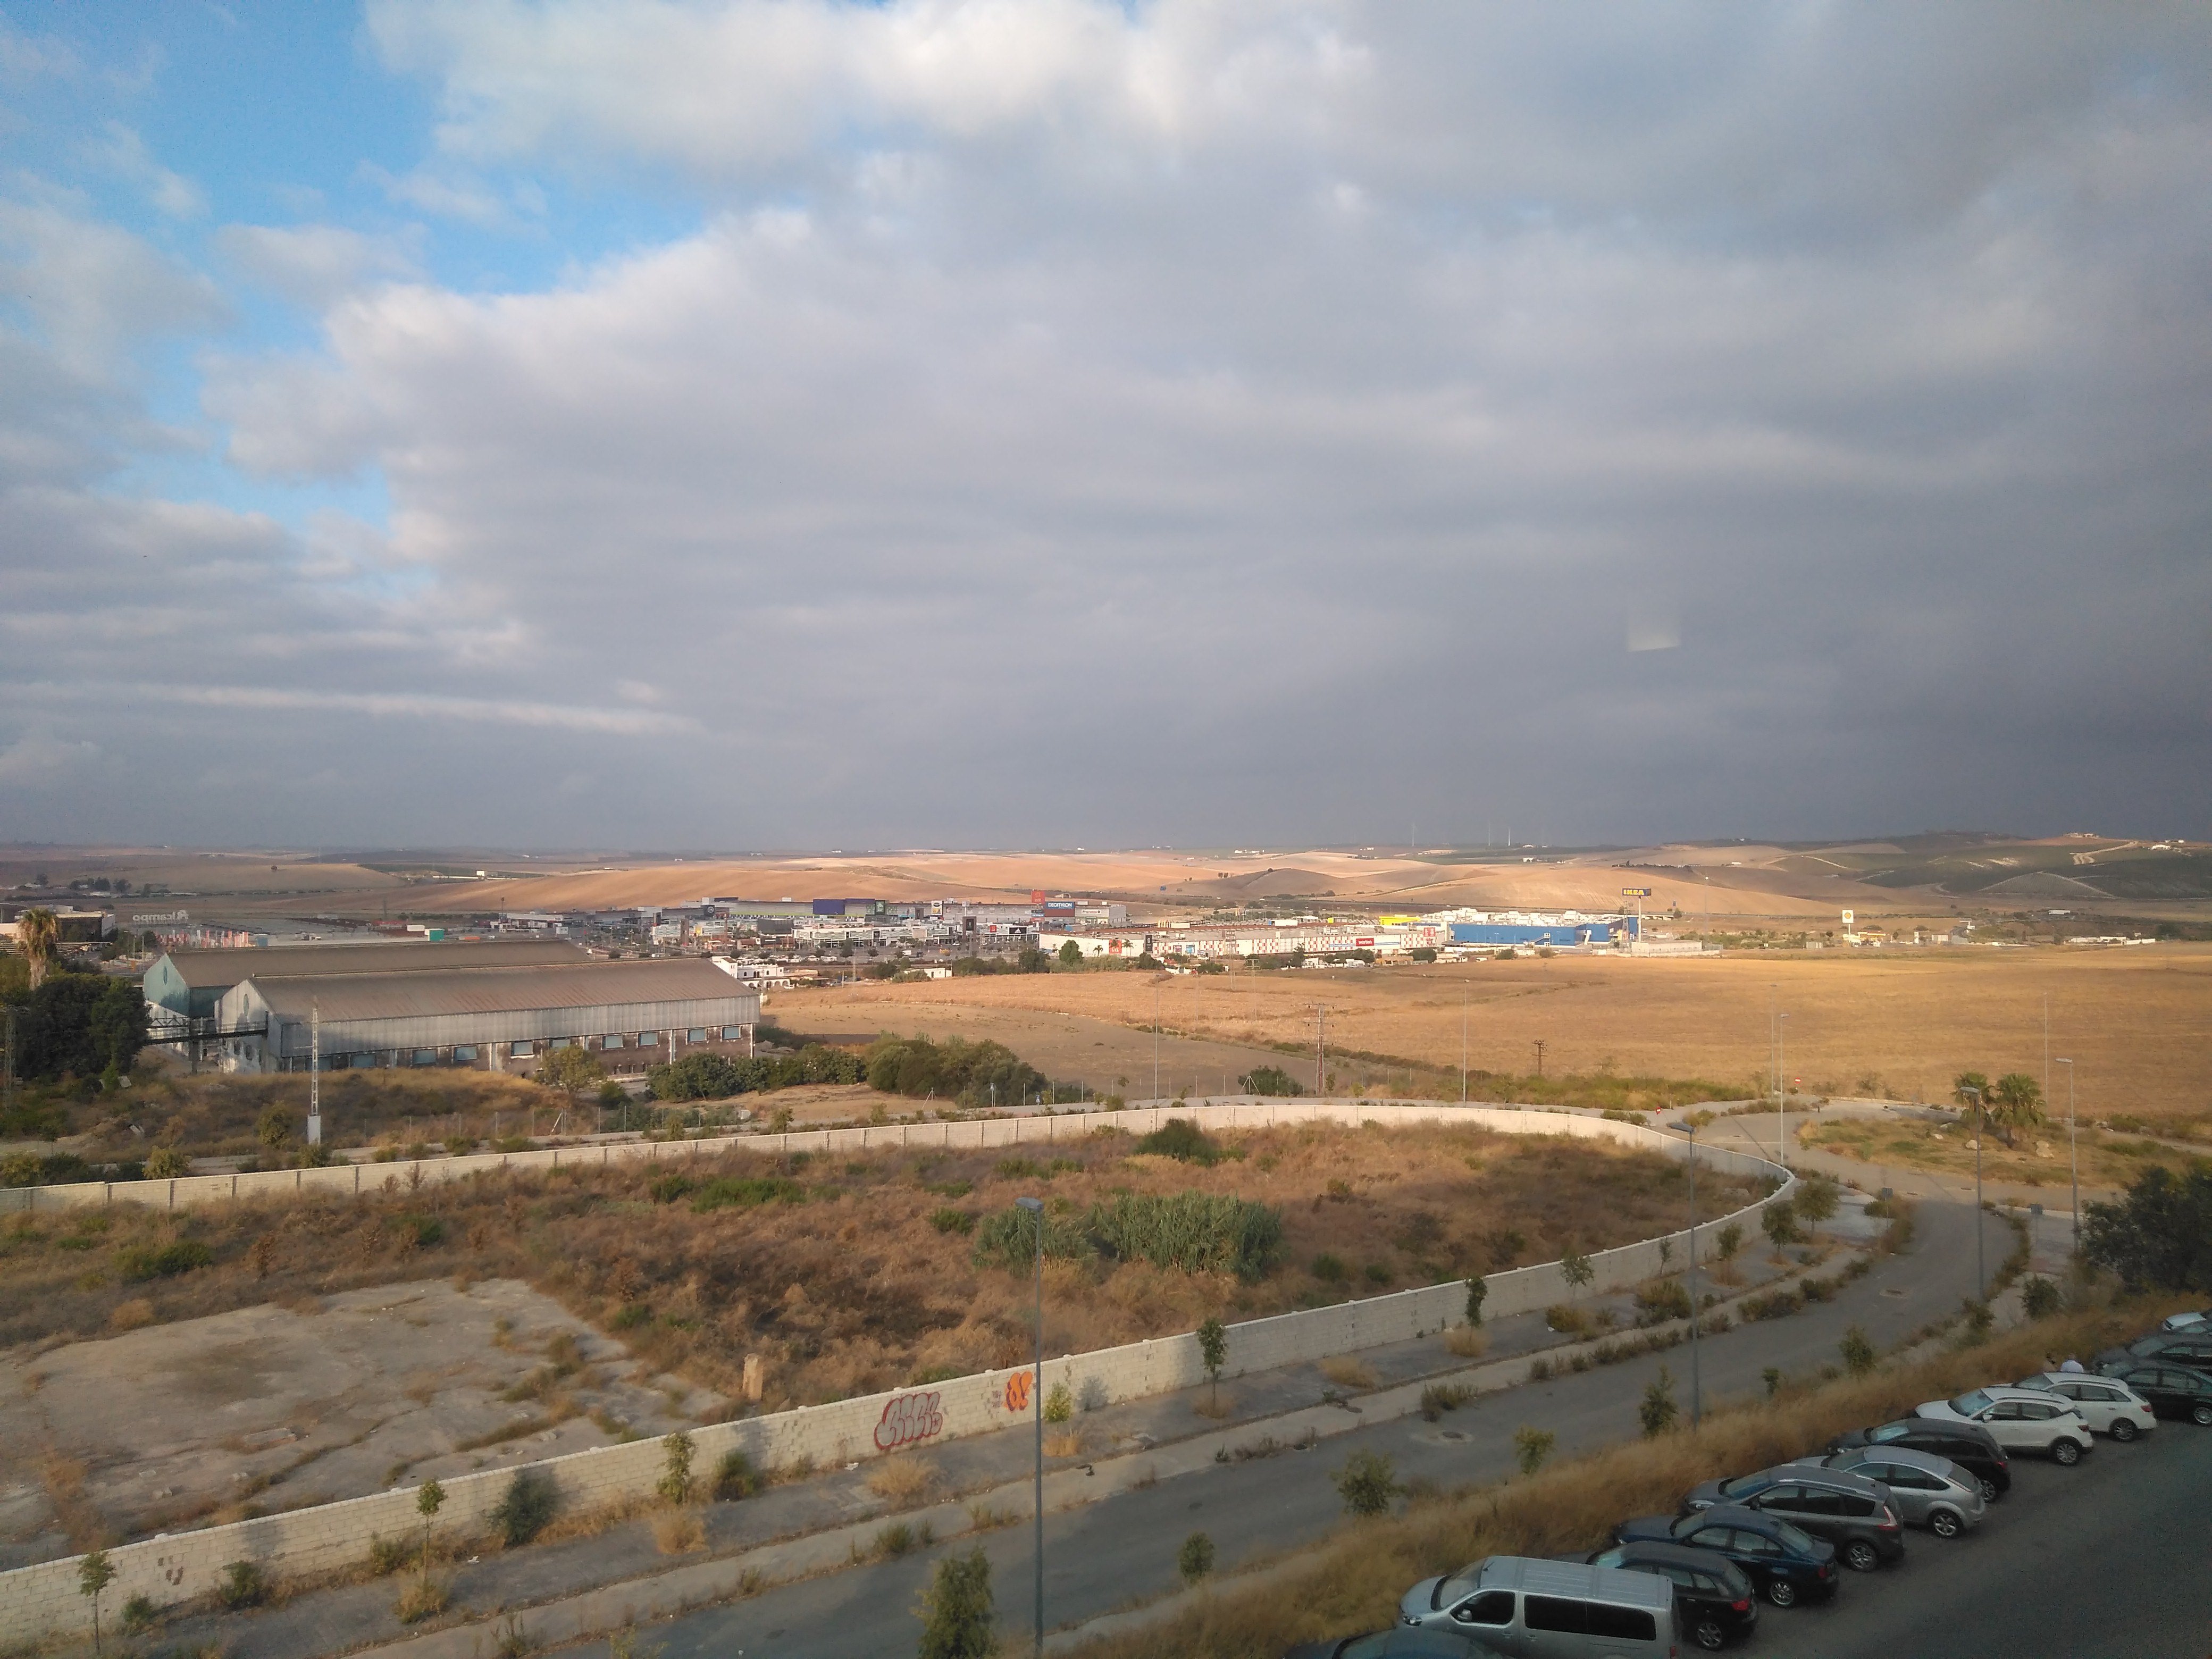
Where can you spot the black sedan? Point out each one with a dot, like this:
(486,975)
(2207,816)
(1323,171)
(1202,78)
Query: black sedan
(1401,1644)
(1714,1599)
(1790,1564)
(1969,1445)
(2171,1390)
(2189,1348)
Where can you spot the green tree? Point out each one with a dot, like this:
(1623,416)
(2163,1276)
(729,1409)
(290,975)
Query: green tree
(1269,1081)
(571,1070)
(1728,1240)
(956,1614)
(1577,1269)
(1657,1411)
(429,1498)
(166,1164)
(2017,1104)
(1531,1446)
(1367,1483)
(1817,1199)
(1196,1559)
(675,1483)
(274,1128)
(39,934)
(1778,1220)
(94,1573)
(1213,1352)
(1070,954)
(1477,1288)
(2159,1237)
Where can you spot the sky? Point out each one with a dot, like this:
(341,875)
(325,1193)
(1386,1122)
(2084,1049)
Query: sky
(747,423)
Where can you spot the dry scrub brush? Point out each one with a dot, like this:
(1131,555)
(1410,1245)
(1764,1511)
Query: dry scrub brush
(1353,1581)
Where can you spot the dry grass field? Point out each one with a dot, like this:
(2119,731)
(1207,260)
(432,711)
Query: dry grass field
(858,1274)
(2137,1023)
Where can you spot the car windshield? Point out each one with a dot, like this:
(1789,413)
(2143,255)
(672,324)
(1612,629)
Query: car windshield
(1743,1483)
(1967,1404)
(1464,1582)
(1887,1432)
(2147,1345)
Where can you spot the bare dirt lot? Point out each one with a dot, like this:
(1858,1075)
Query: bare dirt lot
(271,1407)
(2138,1024)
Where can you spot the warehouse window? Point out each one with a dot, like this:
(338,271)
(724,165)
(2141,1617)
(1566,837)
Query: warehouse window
(521,1050)
(464,1053)
(648,1039)
(426,1056)
(611,1040)
(733,1034)
(696,1034)
(361,1062)
(558,1042)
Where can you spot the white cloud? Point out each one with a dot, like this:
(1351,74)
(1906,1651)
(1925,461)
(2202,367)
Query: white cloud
(123,151)
(313,265)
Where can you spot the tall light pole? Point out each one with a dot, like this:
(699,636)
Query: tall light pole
(1781,1098)
(315,1073)
(2073,1156)
(1156,1056)
(1689,1127)
(1035,1207)
(1462,1048)
(1321,1049)
(1981,1125)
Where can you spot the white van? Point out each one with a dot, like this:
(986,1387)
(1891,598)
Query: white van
(1525,1608)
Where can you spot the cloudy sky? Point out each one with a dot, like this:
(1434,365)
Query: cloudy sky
(782,422)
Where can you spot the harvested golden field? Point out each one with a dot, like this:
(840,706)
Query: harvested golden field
(2110,1159)
(854,1274)
(2137,1022)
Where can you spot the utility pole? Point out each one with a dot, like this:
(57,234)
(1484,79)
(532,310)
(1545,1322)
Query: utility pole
(1539,1056)
(315,1073)
(1321,1049)
(1981,1127)
(1462,1048)
(1035,1207)
(1156,1045)
(1782,1097)
(2073,1157)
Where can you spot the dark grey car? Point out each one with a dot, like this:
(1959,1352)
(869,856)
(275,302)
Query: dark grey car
(1851,1512)
(1926,1490)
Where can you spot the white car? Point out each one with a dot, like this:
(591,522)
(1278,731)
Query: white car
(2019,1420)
(2186,1322)
(2107,1405)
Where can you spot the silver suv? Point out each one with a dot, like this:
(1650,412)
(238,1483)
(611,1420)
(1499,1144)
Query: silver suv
(1925,1490)
(2020,1419)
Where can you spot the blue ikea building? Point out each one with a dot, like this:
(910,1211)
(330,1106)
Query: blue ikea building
(1583,930)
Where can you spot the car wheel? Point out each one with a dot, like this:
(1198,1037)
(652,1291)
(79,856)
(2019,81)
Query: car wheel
(2201,1413)
(1782,1592)
(1859,1556)
(2066,1453)
(2123,1429)
(1943,1523)
(1709,1636)
(1990,1492)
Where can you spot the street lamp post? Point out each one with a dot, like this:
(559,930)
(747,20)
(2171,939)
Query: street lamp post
(1781,1096)
(1035,1206)
(1981,1126)
(2073,1156)
(1696,1392)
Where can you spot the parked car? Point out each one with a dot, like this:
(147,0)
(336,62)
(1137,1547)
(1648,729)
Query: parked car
(2173,1391)
(1969,1445)
(2021,1419)
(2192,1348)
(1926,1490)
(1787,1563)
(2186,1321)
(1400,1643)
(1715,1600)
(1849,1510)
(1514,1604)
(2107,1405)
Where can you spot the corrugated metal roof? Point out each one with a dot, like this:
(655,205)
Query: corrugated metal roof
(204,969)
(498,989)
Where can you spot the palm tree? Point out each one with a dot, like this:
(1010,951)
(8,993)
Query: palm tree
(2019,1103)
(41,936)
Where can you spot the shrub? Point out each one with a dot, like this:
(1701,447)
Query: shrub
(1269,1081)
(1329,1269)
(1009,1240)
(166,1164)
(420,1231)
(2040,1297)
(1655,1303)
(1531,1446)
(1778,1220)
(523,1513)
(1979,1322)
(1775,1305)
(242,1586)
(1857,1352)
(1728,1240)
(1181,1138)
(956,1614)
(139,1613)
(1367,1483)
(949,1220)
(734,1477)
(388,1555)
(1568,1322)
(1657,1410)
(675,1483)
(1438,1398)
(2160,1236)
(746,1193)
(425,1598)
(138,1262)
(1195,1558)
(1477,1290)
(1059,1404)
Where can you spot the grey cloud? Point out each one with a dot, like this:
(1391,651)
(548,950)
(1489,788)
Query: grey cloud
(313,264)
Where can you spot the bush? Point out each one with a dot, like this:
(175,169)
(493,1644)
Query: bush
(138,1262)
(1367,1483)
(1181,1138)
(1857,1352)
(1009,1240)
(956,1614)
(949,1220)
(166,1164)
(523,1513)
(1194,1232)
(1775,1305)
(1779,1222)
(1269,1081)
(388,1555)
(1195,1558)
(971,1075)
(242,1586)
(1059,1404)
(735,1477)
(1329,1269)
(1655,1303)
(2160,1236)
(139,1613)
(675,1483)
(1477,1288)
(2040,1298)
(746,1193)
(1531,1446)
(1657,1410)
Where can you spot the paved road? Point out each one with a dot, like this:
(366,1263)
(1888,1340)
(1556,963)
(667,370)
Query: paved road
(1106,1555)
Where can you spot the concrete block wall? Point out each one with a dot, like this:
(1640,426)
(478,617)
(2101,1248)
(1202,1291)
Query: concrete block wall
(42,1600)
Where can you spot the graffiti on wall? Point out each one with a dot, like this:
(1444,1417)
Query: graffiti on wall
(1018,1392)
(908,1418)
